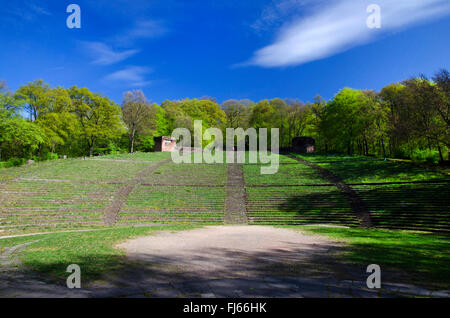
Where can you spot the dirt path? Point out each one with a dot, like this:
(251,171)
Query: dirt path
(111,213)
(235,204)
(231,251)
(357,205)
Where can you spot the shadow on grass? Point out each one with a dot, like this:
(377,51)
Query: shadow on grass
(328,206)
(111,276)
(415,207)
(424,258)
(379,171)
(419,259)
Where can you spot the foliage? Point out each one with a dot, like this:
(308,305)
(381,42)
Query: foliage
(428,156)
(138,114)
(398,122)
(98,116)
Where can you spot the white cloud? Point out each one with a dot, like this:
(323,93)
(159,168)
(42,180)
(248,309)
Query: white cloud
(133,76)
(27,10)
(274,14)
(104,54)
(38,9)
(141,30)
(339,26)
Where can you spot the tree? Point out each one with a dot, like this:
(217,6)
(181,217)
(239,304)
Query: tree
(392,99)
(138,114)
(262,115)
(317,121)
(57,120)
(442,79)
(9,108)
(345,122)
(162,124)
(426,103)
(99,117)
(237,113)
(21,136)
(35,97)
(298,120)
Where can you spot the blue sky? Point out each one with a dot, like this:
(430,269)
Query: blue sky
(253,49)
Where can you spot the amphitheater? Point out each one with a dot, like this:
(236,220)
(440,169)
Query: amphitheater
(145,189)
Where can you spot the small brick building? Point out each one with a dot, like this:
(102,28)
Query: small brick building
(303,145)
(165,144)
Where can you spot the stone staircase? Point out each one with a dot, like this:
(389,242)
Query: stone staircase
(235,204)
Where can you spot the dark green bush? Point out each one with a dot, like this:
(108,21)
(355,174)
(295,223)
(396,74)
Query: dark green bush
(428,156)
(16,161)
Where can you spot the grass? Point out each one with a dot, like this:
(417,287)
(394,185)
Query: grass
(138,156)
(170,194)
(164,204)
(408,206)
(25,204)
(189,174)
(296,174)
(87,170)
(369,170)
(299,205)
(425,257)
(93,251)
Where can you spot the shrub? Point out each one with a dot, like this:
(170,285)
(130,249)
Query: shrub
(428,156)
(5,164)
(402,153)
(145,143)
(16,162)
(52,156)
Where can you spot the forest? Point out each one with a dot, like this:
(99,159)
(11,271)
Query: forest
(406,120)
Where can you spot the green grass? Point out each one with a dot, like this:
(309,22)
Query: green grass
(83,197)
(8,242)
(87,170)
(425,257)
(189,174)
(163,204)
(319,158)
(408,206)
(93,251)
(368,170)
(138,156)
(299,205)
(296,174)
(34,204)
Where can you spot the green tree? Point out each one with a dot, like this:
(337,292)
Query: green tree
(99,117)
(138,114)
(344,120)
(35,97)
(237,113)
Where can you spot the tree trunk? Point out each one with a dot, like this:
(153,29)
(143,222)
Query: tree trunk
(440,153)
(384,149)
(132,137)
(39,150)
(0,151)
(91,147)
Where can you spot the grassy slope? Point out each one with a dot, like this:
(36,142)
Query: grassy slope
(369,170)
(420,206)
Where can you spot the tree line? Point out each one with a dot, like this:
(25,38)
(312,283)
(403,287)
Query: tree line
(404,120)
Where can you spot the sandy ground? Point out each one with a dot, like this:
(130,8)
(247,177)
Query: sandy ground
(233,251)
(221,261)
